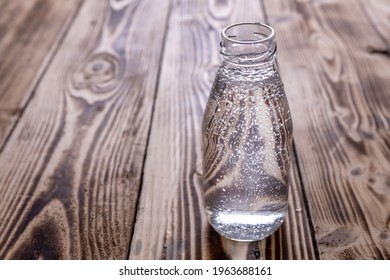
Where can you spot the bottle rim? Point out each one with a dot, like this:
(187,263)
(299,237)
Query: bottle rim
(270,36)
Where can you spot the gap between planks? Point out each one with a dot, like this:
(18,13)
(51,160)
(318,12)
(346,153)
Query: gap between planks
(164,42)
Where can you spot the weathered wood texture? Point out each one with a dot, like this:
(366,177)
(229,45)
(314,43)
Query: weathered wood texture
(100,123)
(70,172)
(334,60)
(30,32)
(171,223)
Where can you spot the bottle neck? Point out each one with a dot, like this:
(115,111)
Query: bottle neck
(248,44)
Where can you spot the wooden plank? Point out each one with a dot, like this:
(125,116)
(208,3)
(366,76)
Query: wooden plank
(70,173)
(171,223)
(30,33)
(340,107)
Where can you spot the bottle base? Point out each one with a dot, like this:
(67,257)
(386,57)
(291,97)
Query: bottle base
(244,226)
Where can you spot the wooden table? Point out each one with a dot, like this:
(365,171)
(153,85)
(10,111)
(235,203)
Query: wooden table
(101,105)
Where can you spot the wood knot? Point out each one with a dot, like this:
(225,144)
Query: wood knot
(357,171)
(384,235)
(220,9)
(379,185)
(99,74)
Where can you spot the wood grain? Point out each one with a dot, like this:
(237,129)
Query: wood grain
(70,172)
(171,223)
(339,101)
(100,123)
(378,12)
(30,33)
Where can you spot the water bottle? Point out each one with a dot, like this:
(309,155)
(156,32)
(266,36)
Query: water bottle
(246,137)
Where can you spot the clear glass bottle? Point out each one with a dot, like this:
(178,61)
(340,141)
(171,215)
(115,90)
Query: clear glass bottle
(247,137)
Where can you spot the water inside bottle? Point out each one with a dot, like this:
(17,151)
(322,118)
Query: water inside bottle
(247,134)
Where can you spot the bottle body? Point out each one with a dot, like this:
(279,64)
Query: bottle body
(246,142)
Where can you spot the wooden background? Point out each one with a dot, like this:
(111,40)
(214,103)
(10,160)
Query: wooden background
(101,104)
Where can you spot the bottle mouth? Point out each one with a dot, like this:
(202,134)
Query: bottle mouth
(248,33)
(248,43)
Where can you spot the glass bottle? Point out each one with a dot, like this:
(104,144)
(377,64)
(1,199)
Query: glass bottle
(247,137)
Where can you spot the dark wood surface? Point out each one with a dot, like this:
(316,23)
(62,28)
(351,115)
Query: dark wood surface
(101,105)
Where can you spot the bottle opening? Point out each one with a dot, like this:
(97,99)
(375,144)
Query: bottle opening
(248,42)
(248,33)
